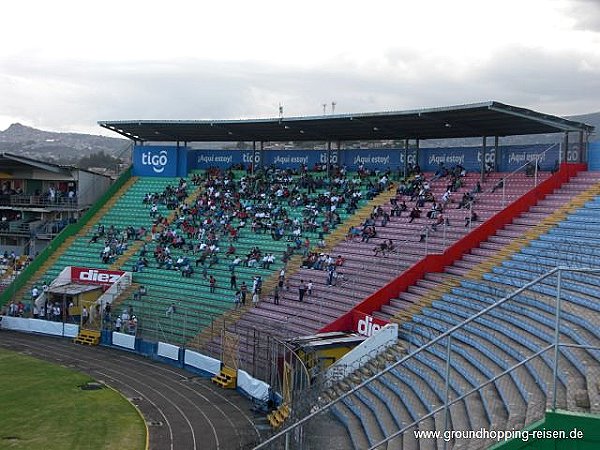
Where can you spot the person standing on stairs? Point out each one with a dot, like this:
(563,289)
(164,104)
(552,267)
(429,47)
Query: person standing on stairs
(301,291)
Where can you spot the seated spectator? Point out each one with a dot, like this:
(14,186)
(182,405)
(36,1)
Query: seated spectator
(447,197)
(424,233)
(439,221)
(187,271)
(368,233)
(466,199)
(498,185)
(473,218)
(381,248)
(415,213)
(385,219)
(440,173)
(391,247)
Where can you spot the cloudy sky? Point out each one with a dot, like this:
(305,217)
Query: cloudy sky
(65,64)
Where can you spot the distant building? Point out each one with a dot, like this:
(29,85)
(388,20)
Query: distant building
(38,199)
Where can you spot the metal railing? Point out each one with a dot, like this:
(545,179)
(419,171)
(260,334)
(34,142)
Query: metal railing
(537,371)
(501,183)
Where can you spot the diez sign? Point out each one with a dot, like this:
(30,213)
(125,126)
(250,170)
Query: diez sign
(366,325)
(100,277)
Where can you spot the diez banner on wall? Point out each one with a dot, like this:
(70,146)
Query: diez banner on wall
(101,277)
(365,324)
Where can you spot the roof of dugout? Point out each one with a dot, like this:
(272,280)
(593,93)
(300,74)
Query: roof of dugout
(472,120)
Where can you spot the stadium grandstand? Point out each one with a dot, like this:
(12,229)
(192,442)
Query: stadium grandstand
(38,200)
(399,298)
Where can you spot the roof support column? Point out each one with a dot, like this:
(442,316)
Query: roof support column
(328,159)
(417,144)
(496,153)
(566,149)
(482,174)
(253,157)
(261,154)
(405,158)
(582,148)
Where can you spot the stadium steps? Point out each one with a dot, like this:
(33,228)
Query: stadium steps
(479,266)
(481,349)
(123,209)
(10,273)
(87,337)
(137,245)
(227,378)
(361,276)
(231,318)
(125,295)
(23,292)
(279,416)
(201,309)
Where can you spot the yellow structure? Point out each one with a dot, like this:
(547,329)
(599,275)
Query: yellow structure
(323,349)
(227,378)
(87,337)
(75,296)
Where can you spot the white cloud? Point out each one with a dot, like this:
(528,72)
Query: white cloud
(72,63)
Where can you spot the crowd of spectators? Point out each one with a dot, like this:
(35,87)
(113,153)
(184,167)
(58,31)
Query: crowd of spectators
(50,195)
(417,190)
(204,235)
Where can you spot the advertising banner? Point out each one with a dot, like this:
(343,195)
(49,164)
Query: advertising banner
(168,351)
(372,159)
(365,324)
(509,158)
(155,161)
(514,156)
(468,157)
(101,277)
(202,362)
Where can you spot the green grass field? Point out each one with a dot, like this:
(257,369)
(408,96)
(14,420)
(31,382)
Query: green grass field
(42,407)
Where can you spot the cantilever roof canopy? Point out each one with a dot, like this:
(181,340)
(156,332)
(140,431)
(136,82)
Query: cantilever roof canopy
(473,120)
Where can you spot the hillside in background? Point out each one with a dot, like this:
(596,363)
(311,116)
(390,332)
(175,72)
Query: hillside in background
(71,148)
(64,148)
(590,119)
